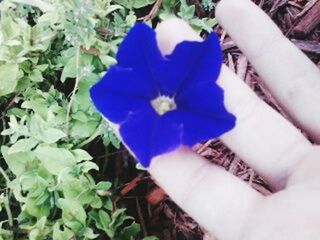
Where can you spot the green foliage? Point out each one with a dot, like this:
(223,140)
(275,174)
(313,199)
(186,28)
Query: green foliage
(51,52)
(208,5)
(187,13)
(135,3)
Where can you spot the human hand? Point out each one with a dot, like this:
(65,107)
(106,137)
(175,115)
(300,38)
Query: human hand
(224,205)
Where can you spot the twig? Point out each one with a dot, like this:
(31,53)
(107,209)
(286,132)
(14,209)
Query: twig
(156,196)
(308,6)
(308,46)
(204,146)
(153,11)
(294,4)
(11,102)
(261,3)
(131,185)
(73,91)
(242,67)
(309,21)
(277,4)
(92,51)
(199,9)
(143,225)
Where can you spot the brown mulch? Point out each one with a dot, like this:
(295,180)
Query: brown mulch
(300,22)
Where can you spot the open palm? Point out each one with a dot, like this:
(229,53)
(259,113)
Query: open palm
(224,205)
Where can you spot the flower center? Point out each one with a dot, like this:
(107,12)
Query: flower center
(163,104)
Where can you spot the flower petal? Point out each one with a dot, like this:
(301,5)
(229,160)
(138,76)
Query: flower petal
(139,50)
(205,98)
(128,81)
(189,75)
(147,134)
(198,128)
(202,110)
(192,62)
(120,92)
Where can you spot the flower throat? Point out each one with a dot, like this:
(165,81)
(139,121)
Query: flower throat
(163,104)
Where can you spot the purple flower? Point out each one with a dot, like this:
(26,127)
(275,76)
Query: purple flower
(163,102)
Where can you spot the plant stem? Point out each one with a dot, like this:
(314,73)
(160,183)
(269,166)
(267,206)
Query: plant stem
(5,176)
(95,134)
(9,213)
(73,91)
(6,203)
(43,6)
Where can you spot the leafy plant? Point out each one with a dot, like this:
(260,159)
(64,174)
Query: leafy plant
(135,3)
(208,5)
(51,53)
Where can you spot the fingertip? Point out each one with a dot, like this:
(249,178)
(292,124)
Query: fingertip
(173,31)
(219,10)
(227,10)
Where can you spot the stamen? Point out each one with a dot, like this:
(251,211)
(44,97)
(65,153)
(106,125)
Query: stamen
(163,104)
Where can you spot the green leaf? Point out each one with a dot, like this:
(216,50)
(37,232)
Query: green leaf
(52,135)
(112,8)
(17,162)
(8,78)
(135,3)
(110,137)
(81,155)
(10,29)
(87,166)
(104,220)
(40,130)
(32,208)
(93,215)
(12,43)
(39,230)
(119,217)
(69,70)
(203,24)
(59,234)
(72,210)
(79,189)
(83,130)
(96,202)
(42,67)
(103,185)
(107,60)
(150,238)
(108,204)
(23,145)
(127,233)
(36,76)
(88,233)
(55,159)
(186,11)
(80,116)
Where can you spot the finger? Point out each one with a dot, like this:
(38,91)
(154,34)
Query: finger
(306,172)
(262,138)
(217,200)
(205,191)
(292,78)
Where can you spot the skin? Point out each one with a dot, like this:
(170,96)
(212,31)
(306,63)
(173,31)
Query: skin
(222,204)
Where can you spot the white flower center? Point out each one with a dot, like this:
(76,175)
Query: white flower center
(163,104)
